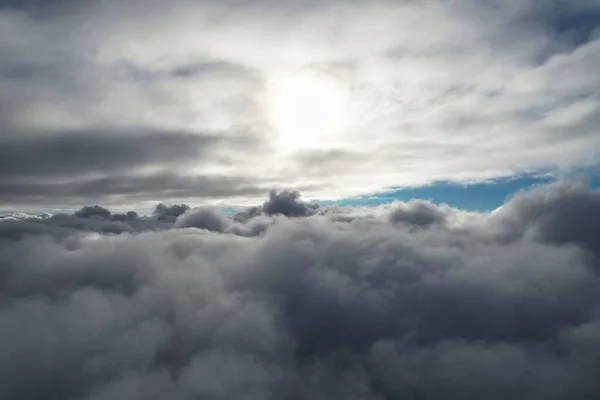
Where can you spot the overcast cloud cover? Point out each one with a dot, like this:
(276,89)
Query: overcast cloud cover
(111,108)
(298,301)
(125,102)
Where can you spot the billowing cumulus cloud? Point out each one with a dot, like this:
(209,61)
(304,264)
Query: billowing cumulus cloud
(562,215)
(418,213)
(287,203)
(169,212)
(281,202)
(408,301)
(203,218)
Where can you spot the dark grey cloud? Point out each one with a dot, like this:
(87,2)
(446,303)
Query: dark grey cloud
(288,203)
(49,154)
(418,213)
(78,166)
(281,202)
(203,218)
(363,307)
(126,188)
(93,211)
(169,212)
(559,214)
(88,219)
(128,216)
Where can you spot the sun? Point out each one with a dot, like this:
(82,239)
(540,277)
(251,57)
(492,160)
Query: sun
(306,110)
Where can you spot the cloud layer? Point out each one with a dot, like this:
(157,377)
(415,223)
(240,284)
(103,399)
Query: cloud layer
(118,94)
(408,301)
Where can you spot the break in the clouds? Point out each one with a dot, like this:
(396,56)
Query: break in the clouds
(411,301)
(336,98)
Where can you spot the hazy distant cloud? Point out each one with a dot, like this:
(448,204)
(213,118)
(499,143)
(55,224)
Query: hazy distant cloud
(313,307)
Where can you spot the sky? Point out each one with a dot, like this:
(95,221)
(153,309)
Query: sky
(130,103)
(299,200)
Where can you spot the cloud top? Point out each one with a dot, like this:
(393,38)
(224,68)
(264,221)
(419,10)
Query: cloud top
(409,301)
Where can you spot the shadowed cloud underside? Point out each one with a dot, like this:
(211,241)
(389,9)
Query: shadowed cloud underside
(301,301)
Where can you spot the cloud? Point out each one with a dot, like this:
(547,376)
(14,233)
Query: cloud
(128,188)
(318,306)
(287,203)
(52,155)
(464,91)
(165,212)
(93,211)
(280,202)
(128,216)
(75,166)
(203,218)
(418,213)
(562,214)
(98,212)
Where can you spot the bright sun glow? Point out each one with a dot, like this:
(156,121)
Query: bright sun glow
(306,110)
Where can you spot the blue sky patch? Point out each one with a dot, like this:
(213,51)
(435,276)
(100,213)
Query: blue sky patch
(479,196)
